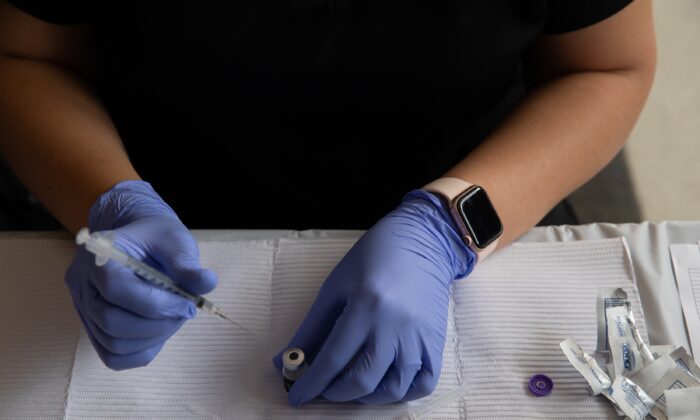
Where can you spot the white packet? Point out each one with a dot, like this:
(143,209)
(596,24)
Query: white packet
(683,360)
(630,398)
(683,404)
(608,297)
(676,378)
(662,349)
(598,381)
(629,353)
(652,374)
(626,397)
(611,371)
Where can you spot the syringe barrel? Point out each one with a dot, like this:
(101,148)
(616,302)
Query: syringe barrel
(156,278)
(102,245)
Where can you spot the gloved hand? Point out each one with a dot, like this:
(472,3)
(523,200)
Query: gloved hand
(376,331)
(127,319)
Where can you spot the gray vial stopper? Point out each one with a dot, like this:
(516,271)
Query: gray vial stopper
(293,366)
(293,358)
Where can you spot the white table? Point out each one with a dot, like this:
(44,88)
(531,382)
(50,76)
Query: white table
(648,243)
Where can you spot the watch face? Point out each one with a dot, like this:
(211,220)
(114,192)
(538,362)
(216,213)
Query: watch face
(479,217)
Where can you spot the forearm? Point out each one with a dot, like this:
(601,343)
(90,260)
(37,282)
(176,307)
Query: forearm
(561,135)
(58,138)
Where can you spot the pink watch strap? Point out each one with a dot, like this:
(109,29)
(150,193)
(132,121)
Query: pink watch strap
(450,188)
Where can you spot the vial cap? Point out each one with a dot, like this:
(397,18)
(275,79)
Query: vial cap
(292,358)
(540,385)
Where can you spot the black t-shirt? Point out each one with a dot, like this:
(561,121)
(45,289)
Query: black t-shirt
(308,114)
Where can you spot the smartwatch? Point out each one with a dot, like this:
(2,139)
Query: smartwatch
(472,212)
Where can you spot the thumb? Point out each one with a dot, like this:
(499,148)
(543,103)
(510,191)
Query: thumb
(182,265)
(188,273)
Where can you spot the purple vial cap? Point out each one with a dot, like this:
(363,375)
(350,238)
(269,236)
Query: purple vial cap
(540,385)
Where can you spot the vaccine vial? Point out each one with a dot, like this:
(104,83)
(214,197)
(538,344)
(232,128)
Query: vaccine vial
(293,366)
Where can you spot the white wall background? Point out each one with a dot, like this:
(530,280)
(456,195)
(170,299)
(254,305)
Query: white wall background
(663,152)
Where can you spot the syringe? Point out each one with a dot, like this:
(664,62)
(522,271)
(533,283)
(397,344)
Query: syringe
(102,246)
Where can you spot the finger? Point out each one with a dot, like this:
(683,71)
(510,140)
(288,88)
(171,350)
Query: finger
(116,345)
(180,260)
(394,386)
(365,374)
(124,346)
(316,327)
(425,381)
(128,361)
(119,323)
(121,287)
(115,361)
(81,291)
(198,281)
(345,340)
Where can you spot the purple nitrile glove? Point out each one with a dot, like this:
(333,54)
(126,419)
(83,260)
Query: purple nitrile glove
(376,331)
(127,319)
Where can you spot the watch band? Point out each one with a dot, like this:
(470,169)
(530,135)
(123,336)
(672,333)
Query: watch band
(450,188)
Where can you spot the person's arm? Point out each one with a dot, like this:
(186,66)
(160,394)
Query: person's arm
(376,331)
(592,84)
(61,142)
(54,132)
